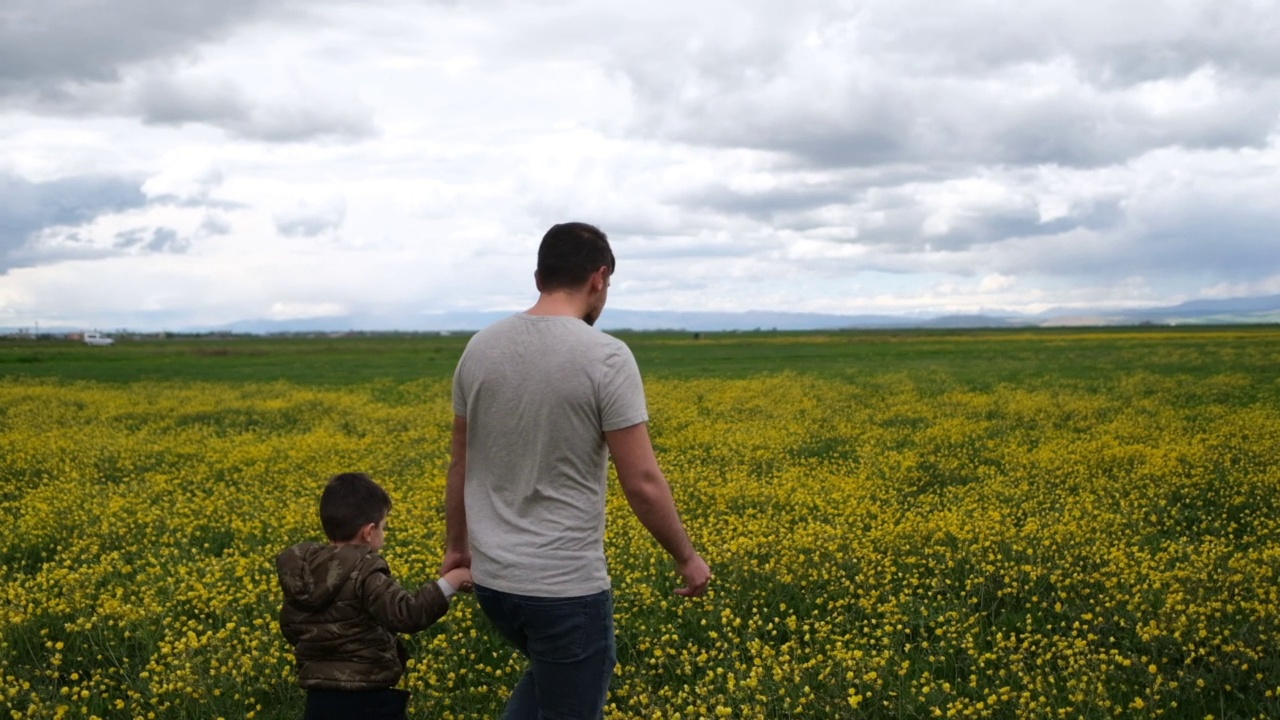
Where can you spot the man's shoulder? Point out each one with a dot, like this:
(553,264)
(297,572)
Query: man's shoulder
(496,327)
(545,339)
(613,344)
(492,335)
(597,346)
(554,327)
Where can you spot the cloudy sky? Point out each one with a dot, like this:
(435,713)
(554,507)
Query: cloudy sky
(173,164)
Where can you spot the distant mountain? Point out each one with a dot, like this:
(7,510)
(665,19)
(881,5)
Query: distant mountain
(976,321)
(1265,309)
(1232,306)
(430,322)
(612,319)
(1240,310)
(752,320)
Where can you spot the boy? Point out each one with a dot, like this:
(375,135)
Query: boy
(342,609)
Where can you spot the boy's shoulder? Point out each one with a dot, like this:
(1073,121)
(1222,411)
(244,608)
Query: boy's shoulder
(313,574)
(314,552)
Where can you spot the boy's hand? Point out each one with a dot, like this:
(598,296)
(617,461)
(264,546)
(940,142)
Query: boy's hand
(460,579)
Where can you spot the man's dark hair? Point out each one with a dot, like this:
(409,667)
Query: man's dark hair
(349,502)
(569,253)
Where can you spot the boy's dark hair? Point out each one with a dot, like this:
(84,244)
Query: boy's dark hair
(349,502)
(569,253)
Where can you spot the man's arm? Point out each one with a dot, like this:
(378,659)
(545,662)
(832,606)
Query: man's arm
(649,495)
(457,549)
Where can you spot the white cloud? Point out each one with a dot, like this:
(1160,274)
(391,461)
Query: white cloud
(187,173)
(996,283)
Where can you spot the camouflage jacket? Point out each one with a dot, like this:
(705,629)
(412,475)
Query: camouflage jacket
(341,613)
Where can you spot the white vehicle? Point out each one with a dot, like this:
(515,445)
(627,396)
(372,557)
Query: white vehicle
(94,337)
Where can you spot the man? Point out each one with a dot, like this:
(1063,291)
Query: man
(541,400)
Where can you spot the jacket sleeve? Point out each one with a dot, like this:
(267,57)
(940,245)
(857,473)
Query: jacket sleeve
(289,628)
(397,609)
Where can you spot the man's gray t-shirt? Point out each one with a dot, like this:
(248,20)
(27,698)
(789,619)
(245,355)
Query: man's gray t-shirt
(538,393)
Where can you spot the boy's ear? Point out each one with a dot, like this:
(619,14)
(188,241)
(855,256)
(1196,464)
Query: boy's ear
(366,533)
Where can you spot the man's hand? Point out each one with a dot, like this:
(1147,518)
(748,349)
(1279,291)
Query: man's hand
(696,574)
(453,560)
(459,579)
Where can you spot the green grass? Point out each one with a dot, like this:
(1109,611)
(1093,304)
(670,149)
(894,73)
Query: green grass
(307,361)
(978,359)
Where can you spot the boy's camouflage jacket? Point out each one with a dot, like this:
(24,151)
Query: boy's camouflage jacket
(341,612)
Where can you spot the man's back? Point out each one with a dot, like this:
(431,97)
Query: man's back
(538,393)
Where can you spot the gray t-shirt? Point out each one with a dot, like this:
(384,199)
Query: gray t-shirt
(538,393)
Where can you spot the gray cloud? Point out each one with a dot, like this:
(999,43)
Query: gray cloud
(166,101)
(304,226)
(974,83)
(894,119)
(903,227)
(1238,38)
(896,216)
(134,57)
(171,101)
(27,208)
(890,102)
(1219,237)
(176,98)
(1210,241)
(1118,45)
(215,225)
(312,220)
(46,46)
(59,244)
(151,240)
(769,206)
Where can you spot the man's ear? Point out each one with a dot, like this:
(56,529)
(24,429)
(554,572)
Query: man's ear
(537,280)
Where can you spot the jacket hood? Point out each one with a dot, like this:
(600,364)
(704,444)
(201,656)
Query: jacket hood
(311,575)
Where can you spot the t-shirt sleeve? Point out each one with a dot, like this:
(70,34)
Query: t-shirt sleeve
(459,395)
(621,391)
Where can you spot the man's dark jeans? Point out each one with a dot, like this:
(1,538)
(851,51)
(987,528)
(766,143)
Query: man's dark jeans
(570,646)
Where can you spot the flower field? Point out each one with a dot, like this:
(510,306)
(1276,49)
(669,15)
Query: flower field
(886,543)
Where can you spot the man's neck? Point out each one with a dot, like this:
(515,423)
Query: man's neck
(559,303)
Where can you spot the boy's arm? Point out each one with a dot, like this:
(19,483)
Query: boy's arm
(457,551)
(289,629)
(397,609)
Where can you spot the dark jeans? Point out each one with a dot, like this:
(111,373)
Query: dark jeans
(389,704)
(570,646)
